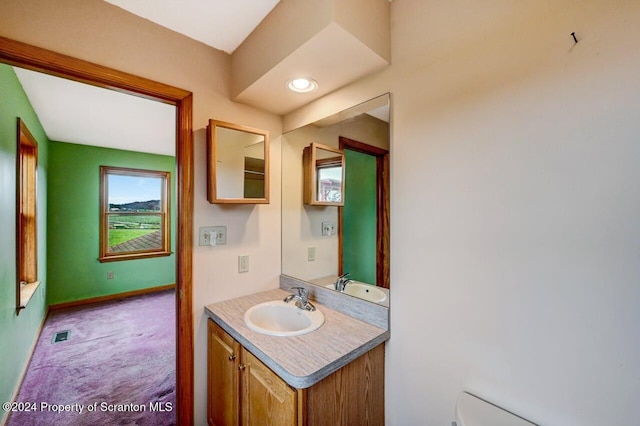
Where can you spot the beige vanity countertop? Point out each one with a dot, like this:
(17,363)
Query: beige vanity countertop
(304,360)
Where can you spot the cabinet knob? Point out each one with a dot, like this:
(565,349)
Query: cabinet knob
(232,357)
(241,367)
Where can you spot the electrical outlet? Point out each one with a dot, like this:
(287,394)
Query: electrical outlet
(328,228)
(243,263)
(110,275)
(205,235)
(311,254)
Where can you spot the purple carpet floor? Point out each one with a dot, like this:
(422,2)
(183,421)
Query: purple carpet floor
(116,368)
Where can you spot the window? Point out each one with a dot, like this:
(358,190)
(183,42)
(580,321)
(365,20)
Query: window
(329,179)
(134,213)
(26,217)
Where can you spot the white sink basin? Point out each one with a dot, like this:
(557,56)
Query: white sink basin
(277,318)
(363,291)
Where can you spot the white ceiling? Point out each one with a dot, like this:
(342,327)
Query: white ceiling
(223,24)
(79,113)
(74,112)
(333,57)
(226,24)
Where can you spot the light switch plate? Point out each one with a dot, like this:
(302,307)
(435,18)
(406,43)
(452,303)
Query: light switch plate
(311,254)
(328,228)
(243,263)
(205,233)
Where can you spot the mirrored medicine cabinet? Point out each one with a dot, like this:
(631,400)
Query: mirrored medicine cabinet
(323,174)
(237,164)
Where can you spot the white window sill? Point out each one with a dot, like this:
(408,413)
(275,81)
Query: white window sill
(26,291)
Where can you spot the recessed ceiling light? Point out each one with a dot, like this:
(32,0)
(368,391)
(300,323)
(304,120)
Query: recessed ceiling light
(302,84)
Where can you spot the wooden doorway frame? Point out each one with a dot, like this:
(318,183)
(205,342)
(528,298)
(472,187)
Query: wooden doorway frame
(37,59)
(382,207)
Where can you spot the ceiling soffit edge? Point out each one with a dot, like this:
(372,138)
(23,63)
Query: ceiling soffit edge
(336,43)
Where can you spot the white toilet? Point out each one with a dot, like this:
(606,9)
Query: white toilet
(473,411)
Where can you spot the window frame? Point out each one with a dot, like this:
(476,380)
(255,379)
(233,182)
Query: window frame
(329,163)
(165,214)
(26,216)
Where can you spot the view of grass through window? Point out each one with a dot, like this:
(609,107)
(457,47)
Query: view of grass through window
(135,213)
(125,228)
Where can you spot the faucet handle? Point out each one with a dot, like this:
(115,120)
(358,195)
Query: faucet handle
(341,282)
(302,292)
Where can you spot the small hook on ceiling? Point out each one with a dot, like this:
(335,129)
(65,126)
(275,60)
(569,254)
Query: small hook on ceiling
(573,34)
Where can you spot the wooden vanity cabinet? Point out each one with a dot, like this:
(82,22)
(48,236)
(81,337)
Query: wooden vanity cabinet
(244,391)
(223,386)
(241,389)
(266,399)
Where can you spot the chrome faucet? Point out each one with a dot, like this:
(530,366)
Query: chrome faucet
(342,282)
(301,298)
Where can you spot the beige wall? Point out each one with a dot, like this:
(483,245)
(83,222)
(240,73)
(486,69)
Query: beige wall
(514,261)
(99,32)
(515,205)
(515,202)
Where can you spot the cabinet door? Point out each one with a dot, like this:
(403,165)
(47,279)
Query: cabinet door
(266,398)
(222,374)
(353,395)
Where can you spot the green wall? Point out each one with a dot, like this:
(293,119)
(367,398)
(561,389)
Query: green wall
(74,272)
(18,332)
(68,208)
(360,217)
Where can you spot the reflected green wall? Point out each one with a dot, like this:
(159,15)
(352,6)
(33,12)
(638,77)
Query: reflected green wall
(18,332)
(74,195)
(359,228)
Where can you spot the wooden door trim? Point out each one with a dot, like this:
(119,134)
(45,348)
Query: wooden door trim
(382,206)
(34,58)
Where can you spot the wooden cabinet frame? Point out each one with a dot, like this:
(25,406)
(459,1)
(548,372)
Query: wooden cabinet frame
(223,384)
(311,163)
(244,391)
(213,185)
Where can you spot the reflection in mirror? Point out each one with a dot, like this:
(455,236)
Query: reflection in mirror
(323,175)
(321,242)
(237,164)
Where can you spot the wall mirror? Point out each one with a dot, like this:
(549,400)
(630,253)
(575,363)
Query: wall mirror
(321,242)
(323,175)
(237,164)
